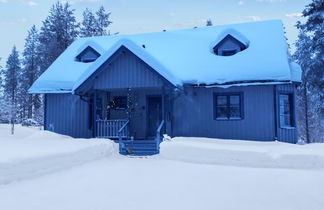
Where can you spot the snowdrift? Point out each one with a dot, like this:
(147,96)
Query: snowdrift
(244,153)
(31,153)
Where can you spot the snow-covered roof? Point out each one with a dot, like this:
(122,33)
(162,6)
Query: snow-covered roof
(183,56)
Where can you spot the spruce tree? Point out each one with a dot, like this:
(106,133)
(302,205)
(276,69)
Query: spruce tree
(89,24)
(102,22)
(209,22)
(11,84)
(59,30)
(309,54)
(31,103)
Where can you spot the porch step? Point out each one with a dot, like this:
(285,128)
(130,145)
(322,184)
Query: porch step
(139,147)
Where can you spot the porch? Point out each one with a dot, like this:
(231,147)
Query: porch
(135,118)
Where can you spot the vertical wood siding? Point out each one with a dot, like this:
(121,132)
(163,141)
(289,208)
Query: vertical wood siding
(127,71)
(67,114)
(287,134)
(193,114)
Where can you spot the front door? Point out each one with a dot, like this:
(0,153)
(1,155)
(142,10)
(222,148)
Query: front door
(154,114)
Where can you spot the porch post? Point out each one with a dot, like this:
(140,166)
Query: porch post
(164,109)
(95,113)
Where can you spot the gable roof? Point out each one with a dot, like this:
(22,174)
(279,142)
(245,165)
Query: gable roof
(86,50)
(181,56)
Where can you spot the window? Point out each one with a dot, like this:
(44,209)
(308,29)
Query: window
(228,106)
(88,55)
(228,52)
(229,46)
(286,110)
(120,102)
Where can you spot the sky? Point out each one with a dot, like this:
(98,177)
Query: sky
(141,16)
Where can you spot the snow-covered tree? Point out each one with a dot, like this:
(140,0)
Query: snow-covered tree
(309,54)
(209,22)
(30,103)
(11,84)
(59,30)
(102,22)
(89,24)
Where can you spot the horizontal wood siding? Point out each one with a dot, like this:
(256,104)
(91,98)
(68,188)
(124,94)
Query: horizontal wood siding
(287,134)
(67,114)
(127,71)
(193,114)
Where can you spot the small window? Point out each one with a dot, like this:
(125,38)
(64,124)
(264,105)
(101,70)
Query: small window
(286,110)
(228,52)
(228,106)
(120,103)
(88,55)
(229,46)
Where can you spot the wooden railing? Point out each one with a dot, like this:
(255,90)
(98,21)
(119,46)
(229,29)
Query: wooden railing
(158,131)
(115,129)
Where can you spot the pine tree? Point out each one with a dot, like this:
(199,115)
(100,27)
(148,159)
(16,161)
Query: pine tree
(89,24)
(102,22)
(209,22)
(309,54)
(30,103)
(11,84)
(59,30)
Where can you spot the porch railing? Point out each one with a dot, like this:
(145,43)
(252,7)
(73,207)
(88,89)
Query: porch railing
(158,131)
(115,129)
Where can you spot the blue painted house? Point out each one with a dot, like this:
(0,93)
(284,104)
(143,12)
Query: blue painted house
(230,81)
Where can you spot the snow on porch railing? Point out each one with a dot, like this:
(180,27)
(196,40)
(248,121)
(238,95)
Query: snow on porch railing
(112,129)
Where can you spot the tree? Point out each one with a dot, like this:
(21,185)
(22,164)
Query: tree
(102,22)
(309,54)
(30,103)
(11,84)
(209,22)
(59,30)
(95,24)
(89,24)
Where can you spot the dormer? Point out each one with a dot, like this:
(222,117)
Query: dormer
(228,46)
(88,55)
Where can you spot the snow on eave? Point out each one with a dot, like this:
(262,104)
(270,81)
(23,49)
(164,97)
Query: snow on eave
(138,51)
(296,72)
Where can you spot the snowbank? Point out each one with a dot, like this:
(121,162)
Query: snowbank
(244,153)
(31,152)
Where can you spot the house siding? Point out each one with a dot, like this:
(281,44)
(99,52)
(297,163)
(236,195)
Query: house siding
(194,114)
(67,114)
(127,71)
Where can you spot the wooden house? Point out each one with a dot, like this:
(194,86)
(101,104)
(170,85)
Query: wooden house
(231,82)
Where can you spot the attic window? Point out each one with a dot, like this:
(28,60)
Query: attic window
(229,46)
(87,55)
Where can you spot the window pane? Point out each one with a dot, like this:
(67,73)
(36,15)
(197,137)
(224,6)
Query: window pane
(235,100)
(221,100)
(285,111)
(287,120)
(222,112)
(235,112)
(120,102)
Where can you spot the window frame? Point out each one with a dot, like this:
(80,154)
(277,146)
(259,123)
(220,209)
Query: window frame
(291,98)
(228,94)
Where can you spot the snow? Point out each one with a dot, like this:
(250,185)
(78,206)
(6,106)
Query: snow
(296,72)
(181,56)
(244,153)
(31,152)
(184,176)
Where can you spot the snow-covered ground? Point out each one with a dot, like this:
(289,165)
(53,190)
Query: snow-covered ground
(190,173)
(31,152)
